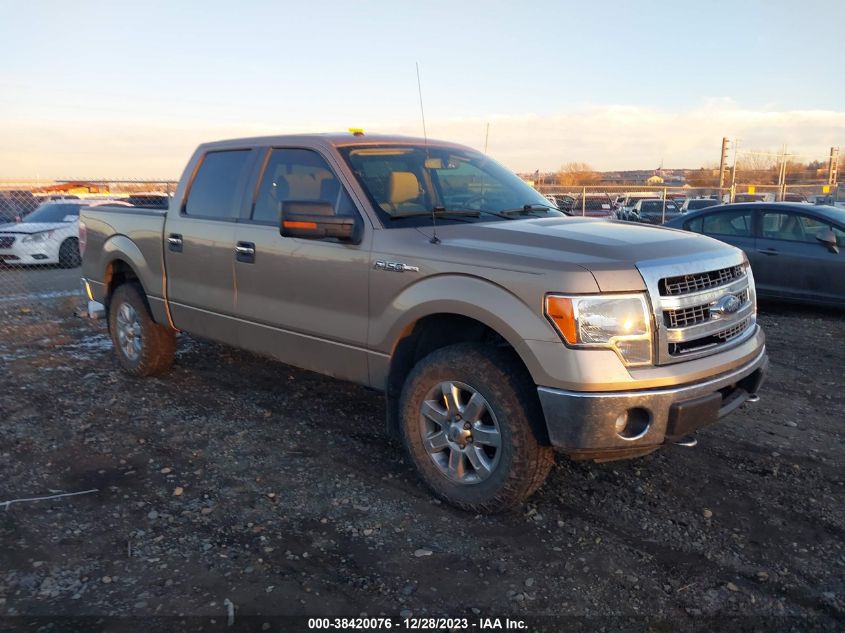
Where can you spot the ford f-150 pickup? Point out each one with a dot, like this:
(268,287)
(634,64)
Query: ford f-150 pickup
(499,329)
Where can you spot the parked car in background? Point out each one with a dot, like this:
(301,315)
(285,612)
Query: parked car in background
(563,201)
(48,235)
(153,200)
(652,211)
(593,205)
(16,204)
(795,249)
(631,199)
(694,204)
(795,196)
(751,197)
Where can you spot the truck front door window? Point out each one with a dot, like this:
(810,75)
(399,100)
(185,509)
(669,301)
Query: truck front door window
(301,175)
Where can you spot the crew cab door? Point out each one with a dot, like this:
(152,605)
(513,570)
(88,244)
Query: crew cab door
(199,243)
(303,301)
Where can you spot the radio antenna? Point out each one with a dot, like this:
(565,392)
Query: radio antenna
(422,109)
(434,239)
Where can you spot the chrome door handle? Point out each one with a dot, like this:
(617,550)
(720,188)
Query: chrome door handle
(244,250)
(174,242)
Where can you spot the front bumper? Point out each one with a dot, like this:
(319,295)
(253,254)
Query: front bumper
(587,424)
(29,252)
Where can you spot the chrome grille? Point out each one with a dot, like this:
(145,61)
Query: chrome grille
(706,342)
(6,241)
(689,298)
(686,284)
(684,317)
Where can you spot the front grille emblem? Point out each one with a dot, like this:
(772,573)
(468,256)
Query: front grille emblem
(729,304)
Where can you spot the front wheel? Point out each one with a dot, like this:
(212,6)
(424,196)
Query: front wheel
(143,347)
(69,256)
(465,418)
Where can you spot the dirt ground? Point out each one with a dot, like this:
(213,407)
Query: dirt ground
(237,480)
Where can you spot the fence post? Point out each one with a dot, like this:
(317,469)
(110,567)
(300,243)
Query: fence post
(583,201)
(663,217)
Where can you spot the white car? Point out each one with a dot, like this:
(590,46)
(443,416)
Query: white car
(48,235)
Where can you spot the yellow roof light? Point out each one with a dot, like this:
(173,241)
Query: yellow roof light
(356,131)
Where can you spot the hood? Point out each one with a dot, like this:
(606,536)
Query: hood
(610,250)
(28,228)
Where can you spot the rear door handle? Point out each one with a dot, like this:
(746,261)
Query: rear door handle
(768,251)
(174,242)
(245,252)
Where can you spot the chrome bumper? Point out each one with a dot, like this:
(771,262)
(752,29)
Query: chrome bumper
(588,425)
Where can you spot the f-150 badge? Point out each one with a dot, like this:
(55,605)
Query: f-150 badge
(396,267)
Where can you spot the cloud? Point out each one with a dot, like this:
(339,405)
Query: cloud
(606,136)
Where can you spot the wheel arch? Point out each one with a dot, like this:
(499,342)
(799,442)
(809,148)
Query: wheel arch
(437,330)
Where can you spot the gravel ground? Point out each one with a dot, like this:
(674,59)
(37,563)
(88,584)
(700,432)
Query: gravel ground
(238,480)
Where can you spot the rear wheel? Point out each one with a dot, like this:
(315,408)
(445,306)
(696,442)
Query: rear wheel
(465,412)
(143,347)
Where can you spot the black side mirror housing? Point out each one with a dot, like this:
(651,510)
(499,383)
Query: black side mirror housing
(316,220)
(828,238)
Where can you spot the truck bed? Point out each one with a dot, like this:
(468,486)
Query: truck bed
(119,233)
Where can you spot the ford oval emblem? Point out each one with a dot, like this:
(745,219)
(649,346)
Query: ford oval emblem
(728,304)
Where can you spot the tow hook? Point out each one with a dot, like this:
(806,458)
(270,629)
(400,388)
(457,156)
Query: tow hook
(687,441)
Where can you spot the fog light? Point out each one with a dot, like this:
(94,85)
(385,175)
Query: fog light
(633,424)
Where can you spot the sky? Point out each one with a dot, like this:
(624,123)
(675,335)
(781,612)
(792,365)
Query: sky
(128,89)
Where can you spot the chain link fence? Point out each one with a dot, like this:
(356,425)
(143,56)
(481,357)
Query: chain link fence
(39,231)
(617,201)
(39,220)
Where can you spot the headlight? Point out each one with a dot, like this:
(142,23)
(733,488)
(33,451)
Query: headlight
(43,236)
(618,322)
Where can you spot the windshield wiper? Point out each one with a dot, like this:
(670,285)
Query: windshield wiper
(456,214)
(528,208)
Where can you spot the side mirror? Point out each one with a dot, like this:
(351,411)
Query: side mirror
(316,220)
(828,238)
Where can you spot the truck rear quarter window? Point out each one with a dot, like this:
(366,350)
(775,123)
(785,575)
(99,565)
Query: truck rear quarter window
(216,189)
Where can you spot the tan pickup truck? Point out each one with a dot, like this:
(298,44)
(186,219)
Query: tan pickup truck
(499,329)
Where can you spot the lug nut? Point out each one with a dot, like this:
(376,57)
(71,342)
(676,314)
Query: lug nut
(467,426)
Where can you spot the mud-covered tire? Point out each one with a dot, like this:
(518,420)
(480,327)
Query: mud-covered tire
(69,256)
(142,346)
(507,393)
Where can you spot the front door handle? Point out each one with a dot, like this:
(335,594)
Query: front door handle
(768,251)
(245,252)
(174,242)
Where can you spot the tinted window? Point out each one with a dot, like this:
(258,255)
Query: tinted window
(724,223)
(301,175)
(792,227)
(54,212)
(215,190)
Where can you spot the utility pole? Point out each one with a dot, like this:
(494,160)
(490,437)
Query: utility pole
(833,167)
(733,173)
(723,163)
(782,175)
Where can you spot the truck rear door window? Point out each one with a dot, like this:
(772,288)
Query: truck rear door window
(216,189)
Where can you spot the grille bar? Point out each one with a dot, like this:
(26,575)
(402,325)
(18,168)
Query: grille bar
(6,241)
(714,340)
(686,284)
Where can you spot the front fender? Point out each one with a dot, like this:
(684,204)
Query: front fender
(463,295)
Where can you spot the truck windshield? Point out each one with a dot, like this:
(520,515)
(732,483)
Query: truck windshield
(410,181)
